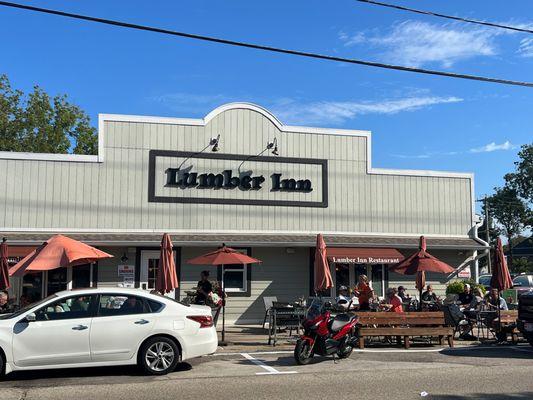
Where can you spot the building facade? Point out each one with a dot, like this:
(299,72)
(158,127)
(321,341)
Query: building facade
(268,190)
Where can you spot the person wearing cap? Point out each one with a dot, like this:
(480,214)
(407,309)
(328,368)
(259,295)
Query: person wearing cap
(403,295)
(393,302)
(466,297)
(344,299)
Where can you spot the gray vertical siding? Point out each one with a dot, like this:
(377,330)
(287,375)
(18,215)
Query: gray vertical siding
(113,195)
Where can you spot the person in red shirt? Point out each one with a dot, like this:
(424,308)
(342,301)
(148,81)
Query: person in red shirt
(364,292)
(394,302)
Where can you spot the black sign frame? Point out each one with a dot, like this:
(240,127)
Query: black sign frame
(152,198)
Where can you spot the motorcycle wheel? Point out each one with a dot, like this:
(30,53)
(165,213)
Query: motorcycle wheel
(302,352)
(345,351)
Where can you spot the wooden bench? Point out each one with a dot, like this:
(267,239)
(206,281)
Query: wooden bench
(404,325)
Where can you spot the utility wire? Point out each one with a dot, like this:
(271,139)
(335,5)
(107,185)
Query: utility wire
(471,21)
(263,47)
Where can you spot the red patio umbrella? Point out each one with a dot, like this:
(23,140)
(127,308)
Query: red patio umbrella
(166,280)
(323,279)
(223,256)
(57,252)
(419,263)
(501,278)
(4,266)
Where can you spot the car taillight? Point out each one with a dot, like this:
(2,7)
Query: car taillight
(205,321)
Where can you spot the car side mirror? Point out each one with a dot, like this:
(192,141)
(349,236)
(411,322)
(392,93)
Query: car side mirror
(30,317)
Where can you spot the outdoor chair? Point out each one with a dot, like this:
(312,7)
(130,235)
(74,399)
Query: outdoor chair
(455,318)
(268,301)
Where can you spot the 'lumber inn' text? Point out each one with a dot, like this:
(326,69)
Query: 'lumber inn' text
(226,180)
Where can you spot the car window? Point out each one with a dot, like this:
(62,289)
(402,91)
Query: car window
(521,280)
(155,306)
(485,280)
(121,304)
(66,308)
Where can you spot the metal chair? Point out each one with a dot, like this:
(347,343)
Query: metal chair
(268,301)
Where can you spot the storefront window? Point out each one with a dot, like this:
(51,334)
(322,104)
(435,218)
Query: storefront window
(57,280)
(81,276)
(32,287)
(153,264)
(234,278)
(342,276)
(377,279)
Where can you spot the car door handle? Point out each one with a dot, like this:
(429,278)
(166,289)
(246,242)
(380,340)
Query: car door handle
(80,327)
(142,322)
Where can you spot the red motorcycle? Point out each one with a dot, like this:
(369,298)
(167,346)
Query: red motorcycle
(325,334)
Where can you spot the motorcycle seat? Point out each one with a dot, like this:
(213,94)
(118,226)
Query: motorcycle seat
(340,320)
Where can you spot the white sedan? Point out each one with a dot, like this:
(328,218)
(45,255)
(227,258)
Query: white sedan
(105,326)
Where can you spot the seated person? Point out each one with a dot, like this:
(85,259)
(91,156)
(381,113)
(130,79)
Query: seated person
(429,295)
(477,301)
(203,289)
(466,297)
(494,301)
(345,300)
(132,306)
(403,294)
(393,301)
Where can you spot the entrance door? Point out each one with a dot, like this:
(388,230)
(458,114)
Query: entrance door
(149,266)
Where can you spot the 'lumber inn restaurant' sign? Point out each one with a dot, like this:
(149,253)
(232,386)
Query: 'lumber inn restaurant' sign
(213,178)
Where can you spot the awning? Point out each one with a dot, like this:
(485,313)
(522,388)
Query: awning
(361,255)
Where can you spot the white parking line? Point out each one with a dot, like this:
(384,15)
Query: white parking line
(270,370)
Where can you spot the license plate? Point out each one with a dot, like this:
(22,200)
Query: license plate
(528,326)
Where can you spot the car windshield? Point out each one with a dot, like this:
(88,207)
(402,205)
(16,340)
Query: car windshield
(28,307)
(484,280)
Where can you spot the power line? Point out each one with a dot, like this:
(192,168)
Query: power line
(263,47)
(471,21)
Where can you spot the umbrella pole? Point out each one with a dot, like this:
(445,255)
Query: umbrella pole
(223,341)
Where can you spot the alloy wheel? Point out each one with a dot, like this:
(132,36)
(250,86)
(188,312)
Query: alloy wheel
(159,356)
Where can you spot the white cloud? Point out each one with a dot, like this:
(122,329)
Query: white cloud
(490,147)
(336,112)
(526,47)
(417,43)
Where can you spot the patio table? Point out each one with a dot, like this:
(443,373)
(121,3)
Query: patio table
(287,315)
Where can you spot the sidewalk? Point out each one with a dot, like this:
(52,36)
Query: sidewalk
(253,338)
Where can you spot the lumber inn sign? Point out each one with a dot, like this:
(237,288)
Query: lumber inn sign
(213,178)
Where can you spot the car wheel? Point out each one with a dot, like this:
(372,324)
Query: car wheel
(159,355)
(2,365)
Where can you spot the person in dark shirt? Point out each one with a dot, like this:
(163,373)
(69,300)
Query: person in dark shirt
(466,297)
(204,288)
(6,307)
(403,295)
(429,295)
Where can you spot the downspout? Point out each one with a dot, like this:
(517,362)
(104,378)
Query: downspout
(486,251)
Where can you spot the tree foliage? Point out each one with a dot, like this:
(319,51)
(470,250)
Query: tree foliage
(511,213)
(39,123)
(522,178)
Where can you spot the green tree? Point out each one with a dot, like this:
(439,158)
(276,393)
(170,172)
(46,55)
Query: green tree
(39,123)
(511,214)
(522,179)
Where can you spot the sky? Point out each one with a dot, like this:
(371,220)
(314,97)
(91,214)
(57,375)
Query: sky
(417,121)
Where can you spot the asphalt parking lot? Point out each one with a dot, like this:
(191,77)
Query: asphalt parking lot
(496,372)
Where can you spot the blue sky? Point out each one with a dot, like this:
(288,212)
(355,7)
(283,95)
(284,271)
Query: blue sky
(418,121)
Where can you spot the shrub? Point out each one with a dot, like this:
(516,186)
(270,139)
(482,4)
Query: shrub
(457,287)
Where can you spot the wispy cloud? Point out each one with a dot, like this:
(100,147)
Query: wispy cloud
(526,48)
(189,102)
(417,43)
(337,112)
(490,147)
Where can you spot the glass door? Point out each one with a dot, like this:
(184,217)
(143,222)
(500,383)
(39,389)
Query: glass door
(149,266)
